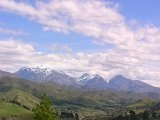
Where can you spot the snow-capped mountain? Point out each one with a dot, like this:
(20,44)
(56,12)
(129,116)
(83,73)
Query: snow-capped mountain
(86,81)
(33,73)
(42,74)
(84,76)
(92,82)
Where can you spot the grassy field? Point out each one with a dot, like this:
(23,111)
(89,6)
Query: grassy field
(9,109)
(20,97)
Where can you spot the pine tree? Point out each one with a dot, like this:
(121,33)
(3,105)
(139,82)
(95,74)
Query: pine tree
(44,111)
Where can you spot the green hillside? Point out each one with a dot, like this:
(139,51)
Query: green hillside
(143,103)
(25,93)
(62,94)
(156,107)
(20,98)
(9,109)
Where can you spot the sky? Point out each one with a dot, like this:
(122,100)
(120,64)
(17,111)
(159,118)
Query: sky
(106,37)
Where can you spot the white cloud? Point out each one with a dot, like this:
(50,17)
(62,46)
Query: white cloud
(8,31)
(136,49)
(60,48)
(86,17)
(15,54)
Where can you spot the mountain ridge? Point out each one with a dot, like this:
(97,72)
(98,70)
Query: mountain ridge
(39,74)
(5,74)
(85,82)
(120,82)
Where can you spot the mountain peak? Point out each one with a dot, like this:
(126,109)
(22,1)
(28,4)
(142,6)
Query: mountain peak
(119,79)
(86,77)
(38,69)
(122,83)
(95,82)
(96,76)
(43,74)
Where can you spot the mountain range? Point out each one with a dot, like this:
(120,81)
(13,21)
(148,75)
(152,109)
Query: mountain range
(85,82)
(87,91)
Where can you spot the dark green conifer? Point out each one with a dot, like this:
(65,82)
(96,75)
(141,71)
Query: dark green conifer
(44,111)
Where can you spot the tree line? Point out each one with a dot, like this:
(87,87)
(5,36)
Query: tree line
(131,115)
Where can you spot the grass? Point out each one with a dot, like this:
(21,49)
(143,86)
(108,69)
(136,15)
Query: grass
(7,109)
(20,97)
(143,103)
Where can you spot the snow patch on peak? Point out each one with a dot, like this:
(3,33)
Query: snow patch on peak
(85,76)
(95,76)
(39,69)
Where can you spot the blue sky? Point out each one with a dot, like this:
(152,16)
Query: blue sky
(107,37)
(143,11)
(35,34)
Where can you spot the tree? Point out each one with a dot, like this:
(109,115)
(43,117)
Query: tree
(154,115)
(158,116)
(77,116)
(132,115)
(44,111)
(145,115)
(120,117)
(126,117)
